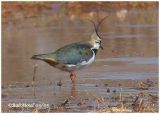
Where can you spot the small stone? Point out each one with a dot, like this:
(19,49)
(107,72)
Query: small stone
(114,91)
(96,85)
(79,104)
(59,83)
(108,90)
(27,86)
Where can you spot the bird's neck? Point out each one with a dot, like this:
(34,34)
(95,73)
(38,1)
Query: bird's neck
(95,51)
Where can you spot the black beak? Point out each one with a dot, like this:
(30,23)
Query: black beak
(101,45)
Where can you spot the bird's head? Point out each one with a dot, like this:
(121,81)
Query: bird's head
(96,39)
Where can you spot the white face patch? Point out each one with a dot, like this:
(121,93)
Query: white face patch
(96,45)
(95,41)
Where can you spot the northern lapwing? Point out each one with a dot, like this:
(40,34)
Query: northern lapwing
(74,56)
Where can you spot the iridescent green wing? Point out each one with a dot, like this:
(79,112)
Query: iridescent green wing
(73,53)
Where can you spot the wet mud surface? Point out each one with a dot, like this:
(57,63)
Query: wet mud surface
(101,89)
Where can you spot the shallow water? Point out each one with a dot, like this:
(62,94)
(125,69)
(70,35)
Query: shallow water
(130,53)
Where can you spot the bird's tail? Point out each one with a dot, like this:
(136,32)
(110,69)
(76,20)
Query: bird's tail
(39,57)
(47,58)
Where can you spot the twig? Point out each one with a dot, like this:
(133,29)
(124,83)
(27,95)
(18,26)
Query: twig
(64,103)
(120,95)
(33,79)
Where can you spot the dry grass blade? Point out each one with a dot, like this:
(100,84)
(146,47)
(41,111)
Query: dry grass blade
(33,79)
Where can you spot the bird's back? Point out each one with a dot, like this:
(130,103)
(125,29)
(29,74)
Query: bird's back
(74,53)
(71,54)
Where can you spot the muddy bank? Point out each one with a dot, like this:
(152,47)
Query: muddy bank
(102,96)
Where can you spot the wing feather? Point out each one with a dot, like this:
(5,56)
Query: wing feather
(73,53)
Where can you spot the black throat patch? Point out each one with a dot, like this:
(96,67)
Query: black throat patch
(95,51)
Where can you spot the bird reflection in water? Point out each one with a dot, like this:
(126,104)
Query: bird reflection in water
(73,91)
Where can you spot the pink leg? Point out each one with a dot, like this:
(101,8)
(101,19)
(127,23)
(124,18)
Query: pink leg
(73,77)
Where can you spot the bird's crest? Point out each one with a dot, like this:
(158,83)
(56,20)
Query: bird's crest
(95,37)
(96,28)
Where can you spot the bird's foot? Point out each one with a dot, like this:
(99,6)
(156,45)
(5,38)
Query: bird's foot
(73,77)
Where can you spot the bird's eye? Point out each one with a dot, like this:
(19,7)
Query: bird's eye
(98,41)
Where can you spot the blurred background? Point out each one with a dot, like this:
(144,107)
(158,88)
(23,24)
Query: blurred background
(28,28)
